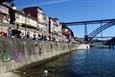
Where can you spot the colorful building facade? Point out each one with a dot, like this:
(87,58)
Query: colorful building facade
(34,21)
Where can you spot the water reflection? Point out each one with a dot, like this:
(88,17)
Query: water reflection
(81,63)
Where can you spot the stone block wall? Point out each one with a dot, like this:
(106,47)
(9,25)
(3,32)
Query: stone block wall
(16,53)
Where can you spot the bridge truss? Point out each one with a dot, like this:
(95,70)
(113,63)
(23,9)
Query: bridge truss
(88,37)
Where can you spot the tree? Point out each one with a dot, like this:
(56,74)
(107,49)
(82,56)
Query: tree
(2,1)
(12,13)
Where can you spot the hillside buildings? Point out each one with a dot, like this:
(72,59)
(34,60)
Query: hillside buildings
(32,20)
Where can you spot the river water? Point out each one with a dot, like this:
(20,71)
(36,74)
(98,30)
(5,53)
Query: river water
(96,62)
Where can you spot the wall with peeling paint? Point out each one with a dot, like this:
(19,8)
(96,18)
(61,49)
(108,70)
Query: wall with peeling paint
(15,53)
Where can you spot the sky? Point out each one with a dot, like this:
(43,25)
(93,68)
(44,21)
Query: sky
(76,10)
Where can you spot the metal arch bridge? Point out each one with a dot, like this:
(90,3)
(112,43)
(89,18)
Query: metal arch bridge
(88,37)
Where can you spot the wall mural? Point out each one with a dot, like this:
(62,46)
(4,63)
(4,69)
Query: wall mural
(6,57)
(15,56)
(8,51)
(13,50)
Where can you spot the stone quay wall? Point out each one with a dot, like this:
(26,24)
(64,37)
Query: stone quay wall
(16,53)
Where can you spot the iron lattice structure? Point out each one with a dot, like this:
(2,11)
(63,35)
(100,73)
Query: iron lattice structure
(107,23)
(100,29)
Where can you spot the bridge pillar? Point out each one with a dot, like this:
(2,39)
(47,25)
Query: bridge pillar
(85,33)
(86,38)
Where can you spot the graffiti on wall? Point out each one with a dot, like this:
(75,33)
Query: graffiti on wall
(8,52)
(15,56)
(5,56)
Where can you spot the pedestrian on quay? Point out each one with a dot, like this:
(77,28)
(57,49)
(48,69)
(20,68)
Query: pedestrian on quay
(34,35)
(9,32)
(28,35)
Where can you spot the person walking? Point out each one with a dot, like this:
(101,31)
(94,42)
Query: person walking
(9,33)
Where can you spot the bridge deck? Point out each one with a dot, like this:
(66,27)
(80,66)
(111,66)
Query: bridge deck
(88,22)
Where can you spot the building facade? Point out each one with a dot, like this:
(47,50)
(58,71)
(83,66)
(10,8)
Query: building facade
(55,29)
(42,20)
(4,13)
(34,21)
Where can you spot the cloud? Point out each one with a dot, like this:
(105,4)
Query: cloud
(53,2)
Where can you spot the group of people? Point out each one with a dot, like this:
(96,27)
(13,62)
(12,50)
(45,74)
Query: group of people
(16,33)
(13,33)
(36,36)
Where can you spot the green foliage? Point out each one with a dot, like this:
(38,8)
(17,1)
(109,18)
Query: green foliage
(13,4)
(9,1)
